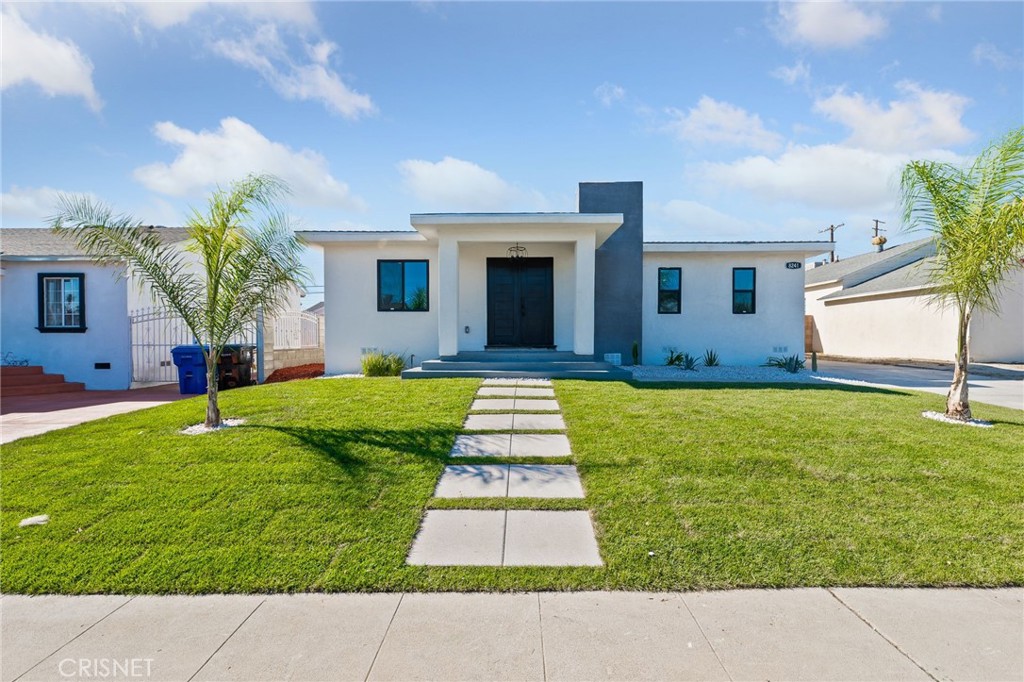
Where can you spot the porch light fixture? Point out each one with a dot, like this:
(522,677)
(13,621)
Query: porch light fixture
(516,252)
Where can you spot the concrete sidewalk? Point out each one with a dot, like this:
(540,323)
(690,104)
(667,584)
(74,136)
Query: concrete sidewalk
(805,634)
(30,415)
(1006,390)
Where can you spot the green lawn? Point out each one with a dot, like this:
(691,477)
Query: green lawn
(324,487)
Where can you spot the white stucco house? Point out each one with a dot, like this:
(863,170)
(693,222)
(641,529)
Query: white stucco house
(64,312)
(472,293)
(61,310)
(878,305)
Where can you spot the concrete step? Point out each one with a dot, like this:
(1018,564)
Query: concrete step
(531,366)
(518,355)
(611,373)
(30,379)
(14,371)
(40,389)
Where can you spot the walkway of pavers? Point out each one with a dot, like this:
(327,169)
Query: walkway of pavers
(521,537)
(806,634)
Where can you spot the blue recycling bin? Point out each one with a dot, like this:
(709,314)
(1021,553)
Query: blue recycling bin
(191,369)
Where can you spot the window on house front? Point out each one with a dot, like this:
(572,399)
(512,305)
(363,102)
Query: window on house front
(744,284)
(402,285)
(61,302)
(669,290)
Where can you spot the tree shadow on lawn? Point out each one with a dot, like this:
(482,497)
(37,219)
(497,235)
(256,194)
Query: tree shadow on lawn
(341,446)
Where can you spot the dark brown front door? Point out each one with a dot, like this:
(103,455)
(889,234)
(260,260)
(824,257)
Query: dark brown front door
(520,302)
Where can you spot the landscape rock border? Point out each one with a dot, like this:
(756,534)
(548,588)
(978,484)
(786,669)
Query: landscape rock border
(939,417)
(197,429)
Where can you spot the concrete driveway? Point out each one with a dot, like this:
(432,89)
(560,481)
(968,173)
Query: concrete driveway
(30,415)
(993,385)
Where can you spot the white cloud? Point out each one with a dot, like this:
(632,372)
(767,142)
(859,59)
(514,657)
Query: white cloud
(30,206)
(791,75)
(715,122)
(687,220)
(828,25)
(934,12)
(56,66)
(166,14)
(823,176)
(922,119)
(234,150)
(609,93)
(987,52)
(266,53)
(456,185)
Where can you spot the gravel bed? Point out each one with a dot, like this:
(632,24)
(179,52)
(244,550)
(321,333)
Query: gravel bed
(939,417)
(199,429)
(723,373)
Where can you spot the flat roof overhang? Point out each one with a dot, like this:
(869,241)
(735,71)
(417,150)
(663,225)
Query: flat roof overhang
(807,249)
(525,227)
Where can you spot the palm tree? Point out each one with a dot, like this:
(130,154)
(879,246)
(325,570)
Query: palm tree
(976,215)
(249,260)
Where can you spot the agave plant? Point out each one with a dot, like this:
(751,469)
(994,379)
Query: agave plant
(689,362)
(674,358)
(710,358)
(792,363)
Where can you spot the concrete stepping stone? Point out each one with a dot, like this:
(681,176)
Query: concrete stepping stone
(544,480)
(535,382)
(503,404)
(459,537)
(550,538)
(475,480)
(522,392)
(491,422)
(484,445)
(539,445)
(538,422)
(509,391)
(535,405)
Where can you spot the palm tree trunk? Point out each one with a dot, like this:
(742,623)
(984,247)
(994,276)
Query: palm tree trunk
(957,404)
(212,409)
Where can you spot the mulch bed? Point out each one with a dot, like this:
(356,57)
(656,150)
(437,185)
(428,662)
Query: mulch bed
(299,372)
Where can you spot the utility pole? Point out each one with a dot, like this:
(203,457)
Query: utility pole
(831,229)
(879,240)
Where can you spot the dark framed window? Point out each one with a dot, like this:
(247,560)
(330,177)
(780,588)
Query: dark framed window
(61,302)
(670,287)
(403,285)
(744,288)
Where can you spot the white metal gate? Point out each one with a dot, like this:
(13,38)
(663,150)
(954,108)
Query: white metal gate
(154,332)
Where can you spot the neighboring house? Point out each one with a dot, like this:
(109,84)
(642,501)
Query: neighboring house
(63,311)
(316,309)
(467,286)
(879,305)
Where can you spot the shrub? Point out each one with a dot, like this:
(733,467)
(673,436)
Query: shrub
(710,358)
(682,360)
(689,362)
(383,364)
(792,364)
(636,353)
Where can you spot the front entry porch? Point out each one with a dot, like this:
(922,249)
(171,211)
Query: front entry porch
(519,363)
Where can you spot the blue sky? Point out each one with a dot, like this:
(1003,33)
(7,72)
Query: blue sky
(744,120)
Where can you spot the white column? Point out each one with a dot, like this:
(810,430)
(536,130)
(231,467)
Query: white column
(447,296)
(583,327)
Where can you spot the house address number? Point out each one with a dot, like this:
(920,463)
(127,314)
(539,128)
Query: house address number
(794,265)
